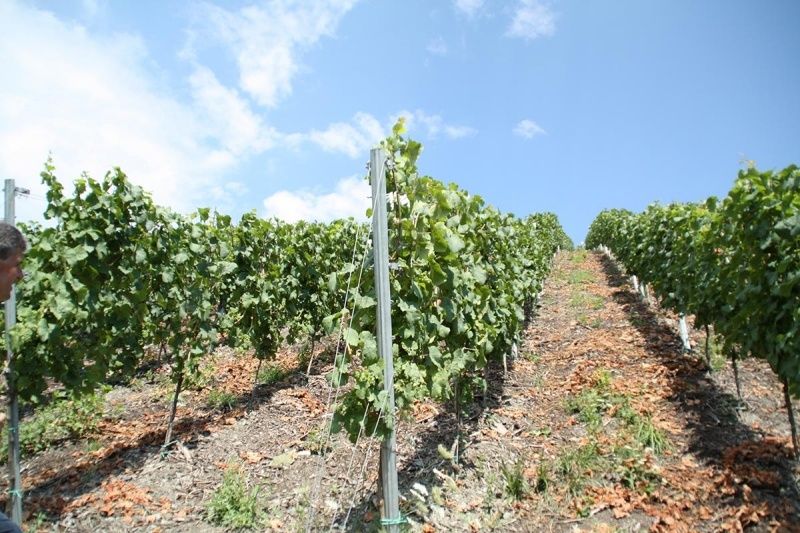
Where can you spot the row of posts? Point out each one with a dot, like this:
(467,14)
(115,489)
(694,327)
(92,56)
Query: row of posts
(641,288)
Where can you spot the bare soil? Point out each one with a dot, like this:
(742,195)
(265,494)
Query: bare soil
(671,448)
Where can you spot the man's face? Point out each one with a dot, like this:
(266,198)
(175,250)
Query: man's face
(10,273)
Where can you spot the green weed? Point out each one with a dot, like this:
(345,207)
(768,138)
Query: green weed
(716,352)
(233,504)
(650,436)
(533,357)
(602,380)
(222,400)
(589,405)
(633,469)
(37,523)
(637,320)
(581,300)
(515,485)
(93,445)
(626,413)
(578,256)
(317,442)
(579,277)
(271,373)
(575,464)
(64,418)
(541,432)
(542,478)
(594,322)
(198,380)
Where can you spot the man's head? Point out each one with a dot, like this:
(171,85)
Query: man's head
(12,247)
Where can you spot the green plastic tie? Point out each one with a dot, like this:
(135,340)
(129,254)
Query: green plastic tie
(15,492)
(400,520)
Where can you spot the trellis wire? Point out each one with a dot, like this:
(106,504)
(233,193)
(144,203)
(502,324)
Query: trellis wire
(336,390)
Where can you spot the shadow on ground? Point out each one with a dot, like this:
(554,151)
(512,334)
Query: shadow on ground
(419,468)
(51,495)
(715,432)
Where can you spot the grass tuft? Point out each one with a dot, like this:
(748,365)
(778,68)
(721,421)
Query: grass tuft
(514,483)
(650,436)
(64,418)
(271,373)
(222,400)
(233,505)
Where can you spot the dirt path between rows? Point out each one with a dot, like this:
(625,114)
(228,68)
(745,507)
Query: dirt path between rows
(599,424)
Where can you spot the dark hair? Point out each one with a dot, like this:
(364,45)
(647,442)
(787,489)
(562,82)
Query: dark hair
(11,241)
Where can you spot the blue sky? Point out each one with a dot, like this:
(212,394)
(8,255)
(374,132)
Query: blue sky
(568,106)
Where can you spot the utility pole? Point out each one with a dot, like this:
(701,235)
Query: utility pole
(14,507)
(390,514)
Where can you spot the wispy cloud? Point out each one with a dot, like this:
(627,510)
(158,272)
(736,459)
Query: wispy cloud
(353,138)
(532,19)
(468,7)
(350,198)
(265,40)
(438,47)
(528,129)
(433,125)
(364,131)
(228,117)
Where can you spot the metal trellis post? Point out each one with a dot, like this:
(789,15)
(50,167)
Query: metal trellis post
(390,514)
(14,507)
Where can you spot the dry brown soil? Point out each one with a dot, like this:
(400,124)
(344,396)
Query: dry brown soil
(670,447)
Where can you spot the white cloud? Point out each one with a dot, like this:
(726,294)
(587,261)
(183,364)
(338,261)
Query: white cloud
(350,198)
(468,7)
(437,47)
(364,131)
(433,125)
(224,196)
(458,132)
(93,104)
(228,116)
(532,19)
(97,102)
(353,139)
(528,129)
(265,40)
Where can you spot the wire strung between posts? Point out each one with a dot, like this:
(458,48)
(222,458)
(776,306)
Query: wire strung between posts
(317,478)
(363,471)
(340,361)
(367,457)
(373,441)
(352,461)
(32,196)
(335,391)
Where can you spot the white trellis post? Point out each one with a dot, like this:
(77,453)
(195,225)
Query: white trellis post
(687,346)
